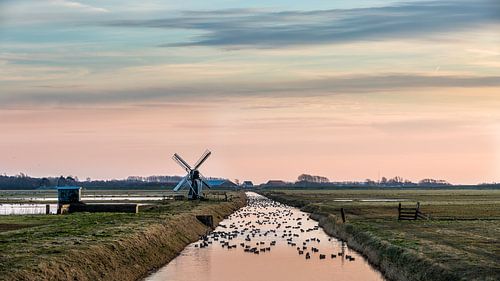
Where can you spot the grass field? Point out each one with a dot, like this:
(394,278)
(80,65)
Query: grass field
(28,240)
(50,196)
(463,234)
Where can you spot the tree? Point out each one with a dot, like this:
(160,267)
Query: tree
(433,182)
(70,180)
(395,181)
(315,179)
(370,182)
(44,182)
(61,181)
(383,180)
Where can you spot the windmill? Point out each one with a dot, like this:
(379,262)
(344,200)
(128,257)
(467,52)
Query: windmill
(194,179)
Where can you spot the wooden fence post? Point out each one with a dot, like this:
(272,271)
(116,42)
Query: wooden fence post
(343,214)
(399,211)
(417,210)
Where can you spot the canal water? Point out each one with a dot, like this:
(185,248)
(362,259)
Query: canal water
(267,240)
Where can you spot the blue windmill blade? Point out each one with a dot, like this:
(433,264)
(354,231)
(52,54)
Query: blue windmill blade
(181,183)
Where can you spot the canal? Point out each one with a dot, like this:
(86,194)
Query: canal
(267,240)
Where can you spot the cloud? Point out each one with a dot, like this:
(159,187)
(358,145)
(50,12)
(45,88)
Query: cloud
(214,91)
(78,5)
(254,28)
(428,125)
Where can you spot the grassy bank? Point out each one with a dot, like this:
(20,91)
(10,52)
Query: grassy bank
(102,246)
(460,242)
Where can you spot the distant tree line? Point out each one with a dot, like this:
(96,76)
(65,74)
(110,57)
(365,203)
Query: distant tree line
(311,180)
(314,179)
(399,181)
(23,181)
(20,181)
(154,179)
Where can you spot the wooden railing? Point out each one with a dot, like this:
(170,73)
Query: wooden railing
(411,213)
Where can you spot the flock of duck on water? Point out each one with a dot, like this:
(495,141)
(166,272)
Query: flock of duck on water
(268,220)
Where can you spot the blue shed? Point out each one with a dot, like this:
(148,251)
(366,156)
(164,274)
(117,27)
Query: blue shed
(69,194)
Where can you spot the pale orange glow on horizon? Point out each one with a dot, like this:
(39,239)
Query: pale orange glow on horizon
(343,137)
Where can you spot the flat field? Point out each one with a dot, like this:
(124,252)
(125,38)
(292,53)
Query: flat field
(28,240)
(462,234)
(50,196)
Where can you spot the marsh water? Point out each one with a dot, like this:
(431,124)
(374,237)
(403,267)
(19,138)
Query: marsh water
(267,240)
(90,198)
(26,209)
(26,205)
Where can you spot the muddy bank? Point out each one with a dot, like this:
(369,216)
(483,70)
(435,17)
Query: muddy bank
(396,263)
(132,256)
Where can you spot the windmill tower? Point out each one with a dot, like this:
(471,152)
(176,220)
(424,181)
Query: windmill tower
(194,179)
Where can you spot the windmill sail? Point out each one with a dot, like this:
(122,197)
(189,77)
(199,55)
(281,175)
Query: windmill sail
(181,162)
(202,159)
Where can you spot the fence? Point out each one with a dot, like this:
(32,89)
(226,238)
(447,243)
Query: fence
(411,213)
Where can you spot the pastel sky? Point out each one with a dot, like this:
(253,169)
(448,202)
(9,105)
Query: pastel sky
(345,89)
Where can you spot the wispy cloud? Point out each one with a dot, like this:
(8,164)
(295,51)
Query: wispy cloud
(254,28)
(213,91)
(78,5)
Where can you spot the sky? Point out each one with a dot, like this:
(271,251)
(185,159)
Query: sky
(349,90)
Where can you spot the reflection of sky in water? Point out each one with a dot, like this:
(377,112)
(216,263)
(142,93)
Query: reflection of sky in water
(156,198)
(281,263)
(26,209)
(96,198)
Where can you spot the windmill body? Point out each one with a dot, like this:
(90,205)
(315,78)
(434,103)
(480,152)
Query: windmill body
(194,180)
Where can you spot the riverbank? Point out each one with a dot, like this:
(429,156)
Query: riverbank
(103,246)
(459,243)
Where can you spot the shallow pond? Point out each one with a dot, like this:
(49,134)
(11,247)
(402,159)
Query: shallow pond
(26,209)
(267,240)
(95,198)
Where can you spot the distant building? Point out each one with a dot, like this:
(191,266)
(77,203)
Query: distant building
(247,184)
(275,183)
(221,183)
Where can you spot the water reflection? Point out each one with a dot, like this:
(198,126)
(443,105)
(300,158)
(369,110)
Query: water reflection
(26,209)
(96,198)
(267,241)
